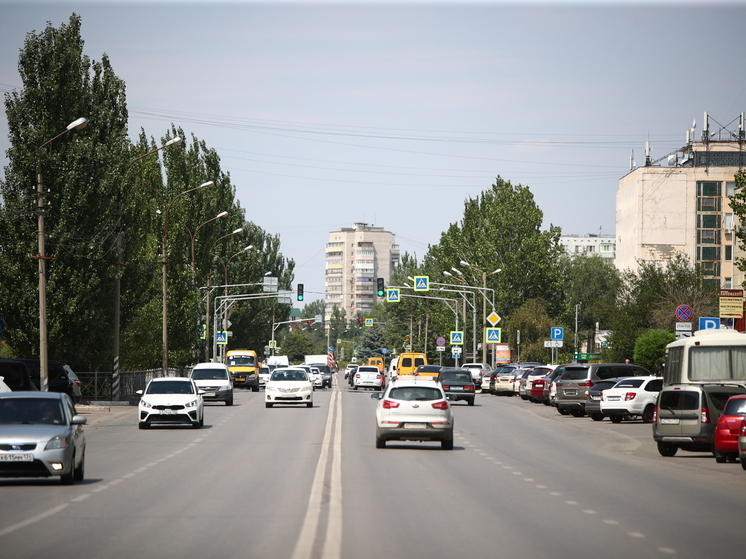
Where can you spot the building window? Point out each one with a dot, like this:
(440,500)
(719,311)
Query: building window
(728,253)
(708,204)
(708,254)
(708,188)
(727,283)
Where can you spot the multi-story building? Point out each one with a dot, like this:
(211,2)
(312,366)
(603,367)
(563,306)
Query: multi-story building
(590,245)
(683,206)
(355,257)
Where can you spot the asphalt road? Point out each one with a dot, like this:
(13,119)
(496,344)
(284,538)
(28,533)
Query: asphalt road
(521,482)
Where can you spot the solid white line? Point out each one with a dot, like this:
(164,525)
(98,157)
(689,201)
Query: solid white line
(333,542)
(307,536)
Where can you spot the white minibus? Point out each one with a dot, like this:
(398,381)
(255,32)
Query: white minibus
(707,356)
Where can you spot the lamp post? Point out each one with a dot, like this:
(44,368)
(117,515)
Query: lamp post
(118,268)
(164,266)
(207,296)
(42,257)
(484,299)
(193,236)
(225,282)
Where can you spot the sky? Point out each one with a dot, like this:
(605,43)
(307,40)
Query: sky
(394,114)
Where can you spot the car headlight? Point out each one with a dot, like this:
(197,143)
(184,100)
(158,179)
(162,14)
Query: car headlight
(271,389)
(146,404)
(191,404)
(224,388)
(56,443)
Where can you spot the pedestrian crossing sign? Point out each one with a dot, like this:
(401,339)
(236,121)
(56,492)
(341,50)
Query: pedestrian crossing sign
(457,338)
(492,335)
(393,295)
(422,283)
(221,337)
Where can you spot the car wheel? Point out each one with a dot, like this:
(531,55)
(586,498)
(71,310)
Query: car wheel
(616,418)
(563,411)
(255,388)
(79,472)
(196,424)
(229,401)
(667,449)
(380,443)
(202,420)
(546,402)
(69,478)
(470,402)
(577,413)
(268,404)
(354,387)
(743,463)
(447,444)
(309,404)
(143,425)
(597,416)
(647,414)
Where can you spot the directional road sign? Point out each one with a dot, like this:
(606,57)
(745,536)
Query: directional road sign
(422,283)
(457,338)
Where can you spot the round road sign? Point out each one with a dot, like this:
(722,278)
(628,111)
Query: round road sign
(440,341)
(683,312)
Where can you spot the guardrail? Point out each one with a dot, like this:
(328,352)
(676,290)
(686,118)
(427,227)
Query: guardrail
(97,385)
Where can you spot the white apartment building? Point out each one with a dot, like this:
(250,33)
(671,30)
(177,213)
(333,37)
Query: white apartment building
(683,205)
(355,257)
(590,245)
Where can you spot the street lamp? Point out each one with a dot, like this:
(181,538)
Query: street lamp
(42,257)
(117,276)
(484,299)
(193,236)
(228,261)
(164,262)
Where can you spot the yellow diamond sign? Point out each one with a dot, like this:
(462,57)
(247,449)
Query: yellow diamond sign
(493,318)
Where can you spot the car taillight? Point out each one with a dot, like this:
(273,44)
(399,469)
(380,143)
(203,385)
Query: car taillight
(388,404)
(357,376)
(379,376)
(446,387)
(743,428)
(586,383)
(705,415)
(557,384)
(655,414)
(629,396)
(441,405)
(467,388)
(77,381)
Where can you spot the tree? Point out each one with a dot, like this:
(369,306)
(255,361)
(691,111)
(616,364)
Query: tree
(80,172)
(534,324)
(650,349)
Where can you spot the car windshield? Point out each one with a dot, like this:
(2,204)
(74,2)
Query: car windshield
(629,383)
(30,410)
(292,375)
(410,393)
(210,374)
(736,406)
(248,360)
(170,387)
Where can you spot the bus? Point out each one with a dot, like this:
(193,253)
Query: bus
(707,356)
(244,368)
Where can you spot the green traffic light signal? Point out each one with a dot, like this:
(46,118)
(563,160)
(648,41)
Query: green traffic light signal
(381,287)
(299,291)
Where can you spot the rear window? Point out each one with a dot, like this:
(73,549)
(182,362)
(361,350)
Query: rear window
(602,385)
(719,399)
(679,400)
(464,377)
(406,362)
(418,361)
(412,393)
(735,407)
(575,373)
(630,383)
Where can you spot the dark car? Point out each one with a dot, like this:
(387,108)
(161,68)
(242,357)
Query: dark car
(593,397)
(458,384)
(57,379)
(16,375)
(429,371)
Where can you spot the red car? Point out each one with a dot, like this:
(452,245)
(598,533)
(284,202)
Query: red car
(727,429)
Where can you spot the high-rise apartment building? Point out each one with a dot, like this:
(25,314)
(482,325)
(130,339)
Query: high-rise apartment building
(355,257)
(683,206)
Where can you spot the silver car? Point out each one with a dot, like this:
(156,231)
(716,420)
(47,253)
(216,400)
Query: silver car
(41,435)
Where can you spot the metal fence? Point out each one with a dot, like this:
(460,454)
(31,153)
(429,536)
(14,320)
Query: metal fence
(97,386)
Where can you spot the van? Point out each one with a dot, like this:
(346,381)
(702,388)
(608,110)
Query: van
(577,378)
(686,414)
(376,362)
(244,367)
(408,363)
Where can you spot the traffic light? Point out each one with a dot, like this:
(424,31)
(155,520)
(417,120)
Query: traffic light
(360,320)
(381,288)
(299,291)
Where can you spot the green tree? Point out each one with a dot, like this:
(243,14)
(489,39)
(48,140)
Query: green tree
(296,347)
(534,324)
(650,349)
(81,171)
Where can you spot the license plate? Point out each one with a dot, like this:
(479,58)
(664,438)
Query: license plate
(209,394)
(16,457)
(168,412)
(457,388)
(571,392)
(415,425)
(667,421)
(241,379)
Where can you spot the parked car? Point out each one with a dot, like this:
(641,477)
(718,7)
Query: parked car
(368,376)
(535,381)
(477,370)
(16,375)
(41,435)
(728,429)
(487,381)
(4,387)
(577,378)
(412,410)
(631,397)
(503,381)
(685,415)
(215,380)
(288,386)
(550,389)
(171,401)
(592,404)
(77,384)
(57,378)
(458,384)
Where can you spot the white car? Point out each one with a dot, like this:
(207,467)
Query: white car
(409,410)
(314,375)
(288,386)
(367,376)
(264,374)
(634,396)
(171,400)
(215,380)
(477,370)
(4,387)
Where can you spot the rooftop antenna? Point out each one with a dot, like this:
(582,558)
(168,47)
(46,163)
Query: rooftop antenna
(706,129)
(632,161)
(647,153)
(741,132)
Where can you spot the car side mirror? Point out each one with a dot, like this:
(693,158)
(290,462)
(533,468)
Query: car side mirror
(79,420)
(376,396)
(139,392)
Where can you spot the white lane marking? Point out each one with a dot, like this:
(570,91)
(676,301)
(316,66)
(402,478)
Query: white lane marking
(82,497)
(304,545)
(333,542)
(30,521)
